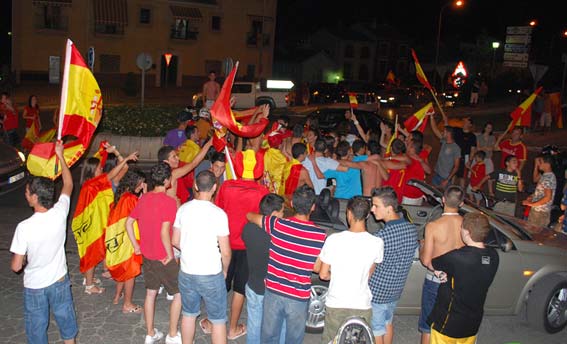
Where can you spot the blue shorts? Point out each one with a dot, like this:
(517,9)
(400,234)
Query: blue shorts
(436,180)
(211,288)
(428,297)
(382,315)
(37,303)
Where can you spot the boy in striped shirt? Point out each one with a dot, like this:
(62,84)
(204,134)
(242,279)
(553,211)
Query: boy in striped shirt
(294,247)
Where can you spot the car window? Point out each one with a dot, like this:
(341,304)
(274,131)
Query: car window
(242,88)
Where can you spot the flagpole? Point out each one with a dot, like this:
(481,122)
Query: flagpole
(438,105)
(229,160)
(64,87)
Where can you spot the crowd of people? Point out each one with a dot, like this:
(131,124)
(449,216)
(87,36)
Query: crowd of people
(201,223)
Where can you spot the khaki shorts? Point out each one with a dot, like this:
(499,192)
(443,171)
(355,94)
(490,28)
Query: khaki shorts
(539,218)
(157,274)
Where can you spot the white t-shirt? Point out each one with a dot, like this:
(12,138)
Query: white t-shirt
(351,256)
(324,164)
(42,238)
(200,223)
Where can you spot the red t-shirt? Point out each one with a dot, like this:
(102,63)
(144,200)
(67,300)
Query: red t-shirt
(237,198)
(152,210)
(518,150)
(478,172)
(33,111)
(413,171)
(10,118)
(396,181)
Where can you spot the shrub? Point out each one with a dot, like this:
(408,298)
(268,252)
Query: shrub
(133,121)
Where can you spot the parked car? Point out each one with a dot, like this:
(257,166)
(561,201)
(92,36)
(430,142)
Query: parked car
(12,168)
(531,277)
(250,94)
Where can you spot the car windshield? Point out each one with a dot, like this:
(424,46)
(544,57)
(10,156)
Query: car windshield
(523,226)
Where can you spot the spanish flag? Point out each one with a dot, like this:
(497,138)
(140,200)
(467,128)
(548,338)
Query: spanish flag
(419,72)
(223,115)
(121,261)
(32,136)
(274,163)
(188,151)
(391,78)
(80,113)
(418,121)
(291,172)
(522,115)
(90,220)
(394,136)
(352,100)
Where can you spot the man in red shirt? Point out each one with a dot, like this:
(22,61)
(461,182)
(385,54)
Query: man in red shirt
(237,198)
(478,172)
(397,168)
(155,213)
(415,170)
(9,119)
(512,146)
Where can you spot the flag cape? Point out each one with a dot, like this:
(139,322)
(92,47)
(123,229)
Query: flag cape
(274,163)
(121,261)
(81,105)
(188,151)
(90,220)
(418,121)
(32,136)
(224,117)
(248,164)
(291,176)
(419,72)
(556,113)
(352,100)
(522,115)
(391,78)
(394,136)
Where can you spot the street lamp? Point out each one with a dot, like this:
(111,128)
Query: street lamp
(495,46)
(533,23)
(457,4)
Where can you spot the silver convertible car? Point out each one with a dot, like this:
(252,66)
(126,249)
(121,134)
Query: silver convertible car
(531,278)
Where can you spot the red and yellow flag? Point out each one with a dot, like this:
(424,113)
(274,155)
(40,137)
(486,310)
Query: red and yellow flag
(522,115)
(90,220)
(391,78)
(32,136)
(419,72)
(121,261)
(394,136)
(418,121)
(556,113)
(188,151)
(291,172)
(81,105)
(352,100)
(224,117)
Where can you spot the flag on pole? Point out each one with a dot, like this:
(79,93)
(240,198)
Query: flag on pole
(394,136)
(224,117)
(522,115)
(90,220)
(80,113)
(391,78)
(419,72)
(121,261)
(352,100)
(418,121)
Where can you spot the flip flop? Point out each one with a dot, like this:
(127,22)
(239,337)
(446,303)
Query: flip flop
(89,290)
(203,327)
(137,309)
(239,334)
(95,281)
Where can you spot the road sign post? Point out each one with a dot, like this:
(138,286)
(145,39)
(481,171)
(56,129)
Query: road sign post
(144,62)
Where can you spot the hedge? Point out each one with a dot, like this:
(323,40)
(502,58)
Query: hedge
(133,121)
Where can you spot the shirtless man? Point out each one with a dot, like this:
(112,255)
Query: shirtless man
(441,236)
(211,90)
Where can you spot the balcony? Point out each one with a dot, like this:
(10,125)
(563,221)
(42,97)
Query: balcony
(186,35)
(252,39)
(55,23)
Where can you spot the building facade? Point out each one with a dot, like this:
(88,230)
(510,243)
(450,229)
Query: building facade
(195,36)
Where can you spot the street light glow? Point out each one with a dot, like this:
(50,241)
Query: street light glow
(495,45)
(565,33)
(459,3)
(533,23)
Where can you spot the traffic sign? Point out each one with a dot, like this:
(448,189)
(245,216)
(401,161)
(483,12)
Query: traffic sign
(516,48)
(91,58)
(519,30)
(520,57)
(519,39)
(514,64)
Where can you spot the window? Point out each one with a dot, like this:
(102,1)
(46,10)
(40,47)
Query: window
(364,52)
(215,23)
(145,15)
(181,29)
(242,88)
(51,18)
(257,33)
(363,72)
(347,71)
(109,63)
(349,51)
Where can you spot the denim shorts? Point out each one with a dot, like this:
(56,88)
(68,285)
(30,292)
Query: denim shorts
(38,302)
(382,315)
(428,297)
(211,288)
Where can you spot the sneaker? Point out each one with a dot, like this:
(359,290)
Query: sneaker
(173,340)
(168,297)
(156,337)
(160,289)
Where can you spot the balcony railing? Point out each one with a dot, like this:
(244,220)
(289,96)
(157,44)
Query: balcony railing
(252,39)
(56,23)
(183,34)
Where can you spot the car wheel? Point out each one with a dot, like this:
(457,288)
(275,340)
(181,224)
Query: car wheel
(316,314)
(547,305)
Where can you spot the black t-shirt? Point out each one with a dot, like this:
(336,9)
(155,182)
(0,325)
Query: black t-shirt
(506,185)
(257,246)
(459,306)
(465,141)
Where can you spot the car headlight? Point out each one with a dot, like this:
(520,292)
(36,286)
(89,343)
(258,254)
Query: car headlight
(22,156)
(455,95)
(391,99)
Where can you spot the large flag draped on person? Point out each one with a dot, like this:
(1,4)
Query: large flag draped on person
(121,261)
(418,121)
(90,220)
(393,137)
(522,115)
(80,113)
(419,72)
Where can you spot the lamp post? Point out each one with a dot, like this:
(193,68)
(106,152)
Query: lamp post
(495,46)
(457,3)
